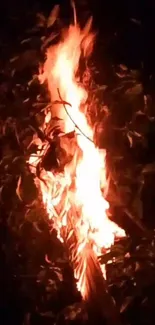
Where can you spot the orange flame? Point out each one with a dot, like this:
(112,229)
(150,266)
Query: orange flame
(79,189)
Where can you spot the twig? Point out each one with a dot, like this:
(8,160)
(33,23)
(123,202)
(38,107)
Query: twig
(74,12)
(72,119)
(148,233)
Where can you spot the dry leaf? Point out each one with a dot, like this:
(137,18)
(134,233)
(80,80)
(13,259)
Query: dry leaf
(1,189)
(47,259)
(126,303)
(48,40)
(121,74)
(53,16)
(36,227)
(136,90)
(135,21)
(123,67)
(48,314)
(58,273)
(15,58)
(88,26)
(150,168)
(41,20)
(18,188)
(25,40)
(130,139)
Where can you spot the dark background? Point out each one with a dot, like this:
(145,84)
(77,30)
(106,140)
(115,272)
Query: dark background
(122,39)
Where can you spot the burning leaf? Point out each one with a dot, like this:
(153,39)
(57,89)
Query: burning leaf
(53,16)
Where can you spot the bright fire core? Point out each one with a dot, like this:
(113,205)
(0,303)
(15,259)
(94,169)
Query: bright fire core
(78,190)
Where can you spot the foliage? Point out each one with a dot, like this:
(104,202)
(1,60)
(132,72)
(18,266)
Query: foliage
(36,278)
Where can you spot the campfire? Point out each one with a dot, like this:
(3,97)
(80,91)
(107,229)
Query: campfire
(73,187)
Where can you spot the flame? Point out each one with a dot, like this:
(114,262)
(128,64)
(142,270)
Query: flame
(76,195)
